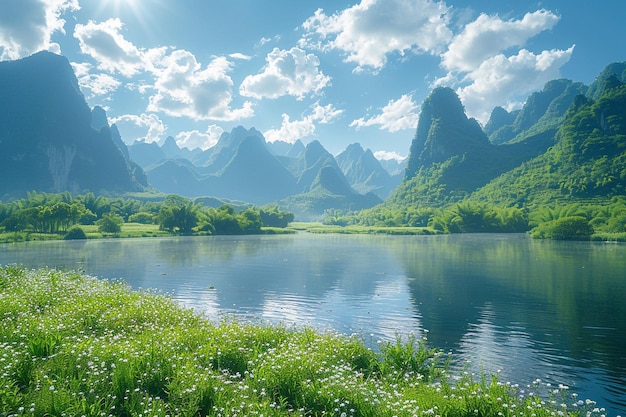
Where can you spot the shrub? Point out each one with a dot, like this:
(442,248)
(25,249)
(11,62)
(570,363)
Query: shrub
(75,233)
(142,217)
(564,228)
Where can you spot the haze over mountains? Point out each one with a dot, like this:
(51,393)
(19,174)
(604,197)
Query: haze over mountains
(51,141)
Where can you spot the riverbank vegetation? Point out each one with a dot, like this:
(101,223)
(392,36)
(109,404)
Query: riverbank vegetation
(74,345)
(43,216)
(593,219)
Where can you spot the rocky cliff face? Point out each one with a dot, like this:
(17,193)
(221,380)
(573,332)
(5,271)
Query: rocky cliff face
(47,140)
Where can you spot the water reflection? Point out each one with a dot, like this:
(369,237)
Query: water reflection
(532,309)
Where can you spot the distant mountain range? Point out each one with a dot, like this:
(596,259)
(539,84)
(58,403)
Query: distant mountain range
(51,141)
(242,166)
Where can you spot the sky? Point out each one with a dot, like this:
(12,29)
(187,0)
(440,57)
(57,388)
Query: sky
(339,72)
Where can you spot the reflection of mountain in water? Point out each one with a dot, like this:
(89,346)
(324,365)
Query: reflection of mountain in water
(564,295)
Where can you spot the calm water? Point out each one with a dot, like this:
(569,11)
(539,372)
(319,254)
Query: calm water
(531,309)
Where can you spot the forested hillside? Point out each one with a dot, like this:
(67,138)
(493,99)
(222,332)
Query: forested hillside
(557,166)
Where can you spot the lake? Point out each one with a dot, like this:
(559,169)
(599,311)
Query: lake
(501,303)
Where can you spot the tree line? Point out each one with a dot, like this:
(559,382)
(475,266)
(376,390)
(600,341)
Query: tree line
(61,213)
(602,219)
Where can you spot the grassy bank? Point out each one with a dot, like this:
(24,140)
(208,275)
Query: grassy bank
(73,345)
(129,230)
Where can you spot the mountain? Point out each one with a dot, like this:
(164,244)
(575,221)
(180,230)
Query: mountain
(365,173)
(541,114)
(323,186)
(172,151)
(47,140)
(393,166)
(451,156)
(250,174)
(216,158)
(146,154)
(587,161)
(279,147)
(566,144)
(254,175)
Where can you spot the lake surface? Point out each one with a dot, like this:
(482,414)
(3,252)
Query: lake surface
(529,309)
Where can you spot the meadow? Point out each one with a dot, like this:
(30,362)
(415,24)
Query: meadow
(73,345)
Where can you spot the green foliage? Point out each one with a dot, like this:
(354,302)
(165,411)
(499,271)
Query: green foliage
(178,214)
(564,228)
(110,223)
(142,217)
(75,233)
(54,214)
(273,216)
(472,217)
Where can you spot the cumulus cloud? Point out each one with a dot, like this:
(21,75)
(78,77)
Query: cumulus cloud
(196,139)
(287,72)
(104,43)
(184,88)
(144,127)
(26,26)
(397,115)
(94,85)
(500,80)
(388,155)
(489,67)
(290,131)
(489,35)
(373,29)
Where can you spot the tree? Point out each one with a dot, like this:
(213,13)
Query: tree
(110,223)
(178,215)
(273,216)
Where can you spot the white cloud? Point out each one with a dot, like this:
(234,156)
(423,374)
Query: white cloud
(104,43)
(286,72)
(144,127)
(94,84)
(489,35)
(196,139)
(388,155)
(239,55)
(397,115)
(501,80)
(290,131)
(488,66)
(26,26)
(185,89)
(373,29)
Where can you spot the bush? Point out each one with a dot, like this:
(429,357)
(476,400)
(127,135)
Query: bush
(564,228)
(75,233)
(142,217)
(110,223)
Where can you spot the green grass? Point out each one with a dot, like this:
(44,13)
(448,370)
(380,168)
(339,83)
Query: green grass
(73,345)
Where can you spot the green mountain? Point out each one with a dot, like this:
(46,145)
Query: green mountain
(451,156)
(47,140)
(587,161)
(566,145)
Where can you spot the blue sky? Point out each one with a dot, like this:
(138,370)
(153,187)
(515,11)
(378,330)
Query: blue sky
(336,71)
